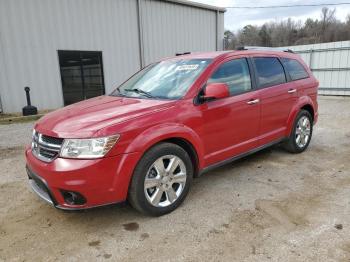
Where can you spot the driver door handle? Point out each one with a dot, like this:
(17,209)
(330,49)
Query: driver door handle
(291,91)
(252,102)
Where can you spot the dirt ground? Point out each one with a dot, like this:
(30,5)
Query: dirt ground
(271,206)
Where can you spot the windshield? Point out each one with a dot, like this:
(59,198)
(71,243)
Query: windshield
(164,80)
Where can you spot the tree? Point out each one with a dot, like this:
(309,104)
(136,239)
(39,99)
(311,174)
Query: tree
(248,35)
(327,19)
(289,32)
(265,38)
(229,40)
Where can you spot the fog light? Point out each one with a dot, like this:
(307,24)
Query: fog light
(73,198)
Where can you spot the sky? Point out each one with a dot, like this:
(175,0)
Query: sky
(237,18)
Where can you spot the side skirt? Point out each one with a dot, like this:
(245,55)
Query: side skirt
(232,159)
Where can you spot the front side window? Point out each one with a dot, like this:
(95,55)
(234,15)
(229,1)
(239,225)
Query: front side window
(235,74)
(169,79)
(295,69)
(269,71)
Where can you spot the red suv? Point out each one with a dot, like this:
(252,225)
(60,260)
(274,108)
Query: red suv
(168,123)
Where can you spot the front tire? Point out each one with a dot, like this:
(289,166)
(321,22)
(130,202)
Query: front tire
(161,180)
(301,134)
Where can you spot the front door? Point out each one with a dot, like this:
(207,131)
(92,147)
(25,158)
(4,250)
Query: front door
(81,75)
(231,125)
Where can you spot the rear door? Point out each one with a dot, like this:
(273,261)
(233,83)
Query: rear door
(277,97)
(231,125)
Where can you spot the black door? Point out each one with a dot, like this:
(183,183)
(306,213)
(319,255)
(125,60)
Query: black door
(81,74)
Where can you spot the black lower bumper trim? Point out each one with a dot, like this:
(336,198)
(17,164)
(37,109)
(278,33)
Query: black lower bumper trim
(40,187)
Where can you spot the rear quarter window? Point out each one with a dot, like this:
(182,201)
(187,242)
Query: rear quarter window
(295,69)
(269,71)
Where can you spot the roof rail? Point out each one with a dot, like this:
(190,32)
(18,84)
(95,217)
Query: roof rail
(280,49)
(185,53)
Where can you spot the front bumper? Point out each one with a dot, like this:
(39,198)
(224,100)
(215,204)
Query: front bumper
(100,181)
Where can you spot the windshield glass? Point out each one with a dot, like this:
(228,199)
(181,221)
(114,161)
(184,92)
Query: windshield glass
(164,80)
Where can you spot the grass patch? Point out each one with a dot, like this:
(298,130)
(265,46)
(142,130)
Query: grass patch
(19,119)
(13,118)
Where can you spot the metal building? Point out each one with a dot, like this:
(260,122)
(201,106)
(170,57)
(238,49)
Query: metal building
(330,63)
(69,50)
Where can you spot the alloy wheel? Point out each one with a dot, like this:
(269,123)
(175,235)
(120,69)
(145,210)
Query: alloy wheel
(303,131)
(165,181)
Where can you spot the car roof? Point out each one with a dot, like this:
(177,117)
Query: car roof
(224,54)
(197,55)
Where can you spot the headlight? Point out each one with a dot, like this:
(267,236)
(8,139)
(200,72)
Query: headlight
(88,148)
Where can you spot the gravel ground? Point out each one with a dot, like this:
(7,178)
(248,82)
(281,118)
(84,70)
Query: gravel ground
(271,206)
(15,135)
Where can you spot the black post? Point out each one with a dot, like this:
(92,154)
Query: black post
(27,89)
(29,109)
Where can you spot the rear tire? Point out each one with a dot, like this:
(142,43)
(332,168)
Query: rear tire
(161,180)
(301,134)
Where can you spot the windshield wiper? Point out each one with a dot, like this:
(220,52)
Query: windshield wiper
(141,92)
(119,93)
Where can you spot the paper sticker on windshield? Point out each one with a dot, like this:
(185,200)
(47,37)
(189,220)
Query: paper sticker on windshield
(186,67)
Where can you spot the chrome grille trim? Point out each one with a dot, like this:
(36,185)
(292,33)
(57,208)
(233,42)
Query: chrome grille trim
(45,151)
(49,145)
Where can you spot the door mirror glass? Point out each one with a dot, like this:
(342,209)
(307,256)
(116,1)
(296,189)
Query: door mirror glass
(216,91)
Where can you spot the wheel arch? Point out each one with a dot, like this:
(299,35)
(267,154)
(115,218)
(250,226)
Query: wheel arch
(305,103)
(310,109)
(189,148)
(177,134)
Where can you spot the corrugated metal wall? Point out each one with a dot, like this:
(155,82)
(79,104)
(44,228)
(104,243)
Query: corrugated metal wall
(221,29)
(330,63)
(31,32)
(171,28)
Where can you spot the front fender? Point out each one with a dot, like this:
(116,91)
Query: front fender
(144,141)
(302,101)
(158,133)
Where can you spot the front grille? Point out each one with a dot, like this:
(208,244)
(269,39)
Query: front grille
(52,140)
(46,148)
(47,153)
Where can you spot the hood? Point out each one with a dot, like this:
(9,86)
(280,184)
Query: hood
(84,119)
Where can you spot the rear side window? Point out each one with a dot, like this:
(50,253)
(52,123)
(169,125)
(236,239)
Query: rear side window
(235,74)
(269,71)
(294,68)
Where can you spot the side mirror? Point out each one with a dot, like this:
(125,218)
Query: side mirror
(215,91)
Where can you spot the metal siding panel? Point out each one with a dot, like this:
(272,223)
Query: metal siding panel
(331,65)
(197,5)
(3,74)
(221,31)
(33,31)
(306,58)
(171,28)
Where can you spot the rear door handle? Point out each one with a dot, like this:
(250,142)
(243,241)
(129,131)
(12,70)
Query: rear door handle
(291,91)
(252,102)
